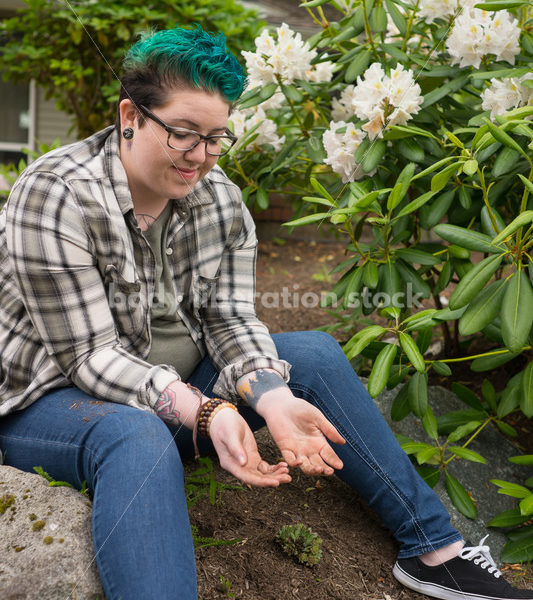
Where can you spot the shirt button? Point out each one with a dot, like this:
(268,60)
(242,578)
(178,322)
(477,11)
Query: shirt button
(200,335)
(179,298)
(169,251)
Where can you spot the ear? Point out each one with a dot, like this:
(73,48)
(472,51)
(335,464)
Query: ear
(128,114)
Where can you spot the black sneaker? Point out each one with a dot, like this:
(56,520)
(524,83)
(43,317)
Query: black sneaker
(472,575)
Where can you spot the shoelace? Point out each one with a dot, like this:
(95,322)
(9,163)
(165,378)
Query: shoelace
(480,554)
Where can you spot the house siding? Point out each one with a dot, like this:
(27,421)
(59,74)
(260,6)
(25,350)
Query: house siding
(51,123)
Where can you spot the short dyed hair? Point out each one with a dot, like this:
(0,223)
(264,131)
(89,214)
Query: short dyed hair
(179,59)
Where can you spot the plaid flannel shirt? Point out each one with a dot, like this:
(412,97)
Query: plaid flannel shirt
(77,282)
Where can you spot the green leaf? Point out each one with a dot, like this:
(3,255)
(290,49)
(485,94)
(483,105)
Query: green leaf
(400,405)
(397,16)
(465,199)
(463,430)
(488,363)
(466,395)
(510,398)
(381,370)
(508,518)
(526,505)
(430,475)
(439,181)
(378,19)
(374,155)
(483,309)
(426,455)
(505,162)
(430,424)
(486,221)
(361,339)
(501,4)
(489,394)
(526,402)
(357,66)
(371,274)
(522,459)
(474,281)
(415,204)
(519,551)
(257,95)
(465,238)
(444,90)
(467,454)
(317,200)
(441,368)
(524,218)
(432,213)
(410,276)
(418,393)
(402,185)
(470,167)
(262,198)
(416,256)
(504,138)
(411,150)
(511,489)
(306,220)
(319,188)
(459,497)
(517,312)
(413,353)
(506,429)
(434,167)
(526,182)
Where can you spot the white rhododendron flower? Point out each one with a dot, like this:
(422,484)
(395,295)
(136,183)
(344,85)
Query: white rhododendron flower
(477,33)
(288,57)
(244,120)
(507,93)
(382,99)
(341,141)
(342,108)
(441,9)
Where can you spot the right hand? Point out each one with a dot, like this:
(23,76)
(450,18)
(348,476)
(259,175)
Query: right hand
(237,451)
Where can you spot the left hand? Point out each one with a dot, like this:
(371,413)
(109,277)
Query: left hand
(301,432)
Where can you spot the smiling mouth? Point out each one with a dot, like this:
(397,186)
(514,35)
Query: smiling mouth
(186,173)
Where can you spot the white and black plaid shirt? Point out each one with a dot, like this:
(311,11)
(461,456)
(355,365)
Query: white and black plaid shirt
(77,281)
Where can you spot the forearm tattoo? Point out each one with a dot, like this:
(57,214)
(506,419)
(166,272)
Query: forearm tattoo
(164,408)
(251,388)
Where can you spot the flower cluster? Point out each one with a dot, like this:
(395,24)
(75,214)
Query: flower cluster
(382,99)
(440,9)
(287,58)
(507,93)
(265,129)
(341,141)
(477,33)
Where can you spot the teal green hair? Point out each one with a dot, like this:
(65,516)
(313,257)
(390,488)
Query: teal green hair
(189,56)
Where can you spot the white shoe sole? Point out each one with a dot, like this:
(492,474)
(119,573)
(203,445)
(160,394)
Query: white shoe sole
(434,590)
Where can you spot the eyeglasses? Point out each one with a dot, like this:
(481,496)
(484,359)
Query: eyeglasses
(187,139)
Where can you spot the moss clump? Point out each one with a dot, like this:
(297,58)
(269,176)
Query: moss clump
(19,548)
(38,525)
(61,540)
(48,539)
(300,541)
(6,501)
(32,517)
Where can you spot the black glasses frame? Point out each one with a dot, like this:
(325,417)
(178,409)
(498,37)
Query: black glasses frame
(203,138)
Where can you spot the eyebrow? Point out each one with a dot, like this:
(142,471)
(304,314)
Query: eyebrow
(191,124)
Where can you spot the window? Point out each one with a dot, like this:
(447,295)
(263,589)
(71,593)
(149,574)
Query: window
(17,120)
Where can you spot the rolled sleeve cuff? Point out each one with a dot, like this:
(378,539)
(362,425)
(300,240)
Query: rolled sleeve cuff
(157,379)
(226,384)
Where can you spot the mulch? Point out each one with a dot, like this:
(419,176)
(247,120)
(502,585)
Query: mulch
(357,551)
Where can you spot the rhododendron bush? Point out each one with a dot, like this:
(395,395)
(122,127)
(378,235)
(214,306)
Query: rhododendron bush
(407,126)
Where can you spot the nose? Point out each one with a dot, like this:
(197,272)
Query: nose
(197,154)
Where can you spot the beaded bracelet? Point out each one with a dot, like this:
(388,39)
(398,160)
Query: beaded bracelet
(204,417)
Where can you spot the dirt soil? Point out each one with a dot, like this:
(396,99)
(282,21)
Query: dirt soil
(357,551)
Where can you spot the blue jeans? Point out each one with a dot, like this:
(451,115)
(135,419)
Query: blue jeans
(134,472)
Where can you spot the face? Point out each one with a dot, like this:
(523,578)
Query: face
(157,172)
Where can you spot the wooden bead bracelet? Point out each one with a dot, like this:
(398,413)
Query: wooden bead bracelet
(204,417)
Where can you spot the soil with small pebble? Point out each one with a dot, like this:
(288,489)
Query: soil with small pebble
(357,551)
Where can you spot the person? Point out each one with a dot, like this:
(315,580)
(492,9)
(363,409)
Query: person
(129,336)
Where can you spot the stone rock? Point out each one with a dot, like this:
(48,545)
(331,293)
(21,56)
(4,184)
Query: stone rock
(46,549)
(475,477)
